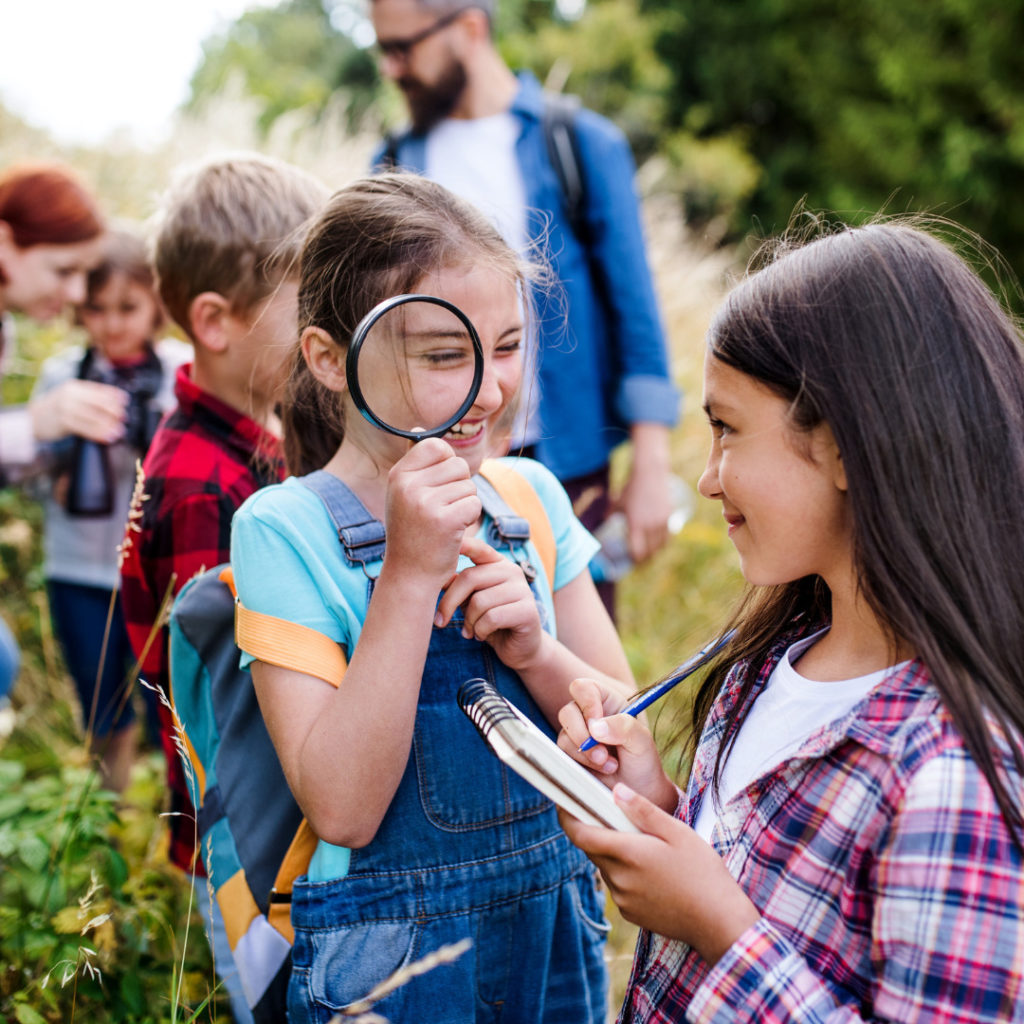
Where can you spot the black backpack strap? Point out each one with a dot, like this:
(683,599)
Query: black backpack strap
(558,120)
(389,156)
(360,534)
(506,529)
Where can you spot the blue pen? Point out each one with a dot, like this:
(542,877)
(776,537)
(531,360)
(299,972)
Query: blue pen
(645,700)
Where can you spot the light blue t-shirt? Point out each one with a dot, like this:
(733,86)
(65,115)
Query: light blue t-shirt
(288,562)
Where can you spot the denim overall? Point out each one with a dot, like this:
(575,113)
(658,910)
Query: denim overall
(467,849)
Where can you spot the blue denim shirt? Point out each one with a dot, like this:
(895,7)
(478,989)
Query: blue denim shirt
(604,361)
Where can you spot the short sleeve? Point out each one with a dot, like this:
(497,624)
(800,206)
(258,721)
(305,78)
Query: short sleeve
(288,563)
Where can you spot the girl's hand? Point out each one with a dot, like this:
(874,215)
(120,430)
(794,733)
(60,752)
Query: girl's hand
(625,751)
(667,880)
(431,501)
(497,603)
(84,408)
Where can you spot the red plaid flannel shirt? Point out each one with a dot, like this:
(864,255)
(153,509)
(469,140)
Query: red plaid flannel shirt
(887,881)
(205,460)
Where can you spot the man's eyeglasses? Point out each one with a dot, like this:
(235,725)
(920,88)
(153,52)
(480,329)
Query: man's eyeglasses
(399,49)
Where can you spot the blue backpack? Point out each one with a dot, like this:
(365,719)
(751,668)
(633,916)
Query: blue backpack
(253,837)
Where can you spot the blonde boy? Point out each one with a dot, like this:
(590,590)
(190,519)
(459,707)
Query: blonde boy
(227,238)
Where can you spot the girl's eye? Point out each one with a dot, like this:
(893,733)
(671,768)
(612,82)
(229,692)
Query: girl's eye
(719,428)
(446,357)
(510,347)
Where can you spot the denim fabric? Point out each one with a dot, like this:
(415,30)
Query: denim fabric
(10,659)
(467,849)
(80,617)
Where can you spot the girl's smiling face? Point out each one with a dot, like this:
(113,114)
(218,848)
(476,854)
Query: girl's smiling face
(437,364)
(120,318)
(783,491)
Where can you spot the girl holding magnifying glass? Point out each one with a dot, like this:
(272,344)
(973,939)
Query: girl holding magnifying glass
(424,838)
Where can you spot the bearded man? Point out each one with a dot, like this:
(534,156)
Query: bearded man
(599,373)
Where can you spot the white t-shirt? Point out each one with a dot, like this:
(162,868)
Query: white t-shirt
(476,159)
(788,710)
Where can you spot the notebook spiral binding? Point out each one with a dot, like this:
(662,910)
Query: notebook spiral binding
(483,704)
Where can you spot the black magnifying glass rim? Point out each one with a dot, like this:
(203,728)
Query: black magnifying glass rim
(352,362)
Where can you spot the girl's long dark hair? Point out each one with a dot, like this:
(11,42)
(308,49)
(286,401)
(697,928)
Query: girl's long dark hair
(884,333)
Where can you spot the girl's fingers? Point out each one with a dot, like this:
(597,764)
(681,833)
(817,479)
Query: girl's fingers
(479,578)
(588,696)
(647,817)
(479,552)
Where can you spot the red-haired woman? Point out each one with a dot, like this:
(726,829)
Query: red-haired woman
(50,231)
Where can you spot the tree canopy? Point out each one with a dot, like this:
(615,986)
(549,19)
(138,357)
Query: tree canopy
(745,109)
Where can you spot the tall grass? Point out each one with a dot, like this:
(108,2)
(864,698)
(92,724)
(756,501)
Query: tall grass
(667,607)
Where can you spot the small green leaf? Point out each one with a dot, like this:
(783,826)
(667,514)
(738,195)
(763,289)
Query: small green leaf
(26,1015)
(33,852)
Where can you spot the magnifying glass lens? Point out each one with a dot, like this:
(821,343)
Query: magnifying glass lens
(416,367)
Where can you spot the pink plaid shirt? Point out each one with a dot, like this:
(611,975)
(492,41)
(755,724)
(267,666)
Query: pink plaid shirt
(887,882)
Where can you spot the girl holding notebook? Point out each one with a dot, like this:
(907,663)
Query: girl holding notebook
(849,845)
(426,840)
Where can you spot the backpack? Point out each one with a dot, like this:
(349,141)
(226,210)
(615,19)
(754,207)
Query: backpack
(253,838)
(558,122)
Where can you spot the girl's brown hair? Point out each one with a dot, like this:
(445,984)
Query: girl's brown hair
(376,238)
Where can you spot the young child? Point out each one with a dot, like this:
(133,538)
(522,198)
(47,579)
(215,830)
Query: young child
(850,843)
(424,838)
(121,315)
(224,246)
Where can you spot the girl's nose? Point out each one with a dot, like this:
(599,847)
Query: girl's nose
(708,484)
(491,395)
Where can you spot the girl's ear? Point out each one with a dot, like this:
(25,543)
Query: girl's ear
(840,473)
(324,357)
(835,461)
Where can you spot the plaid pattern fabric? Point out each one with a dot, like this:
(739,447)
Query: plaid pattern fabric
(887,881)
(205,460)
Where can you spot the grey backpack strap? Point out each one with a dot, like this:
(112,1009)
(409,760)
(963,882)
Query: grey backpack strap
(360,534)
(506,528)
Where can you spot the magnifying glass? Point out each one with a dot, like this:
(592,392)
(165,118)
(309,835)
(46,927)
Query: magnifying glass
(414,366)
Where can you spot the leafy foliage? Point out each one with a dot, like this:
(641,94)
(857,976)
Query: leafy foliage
(859,106)
(288,57)
(90,912)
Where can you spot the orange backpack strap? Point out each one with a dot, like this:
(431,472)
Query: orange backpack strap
(521,497)
(286,644)
(295,863)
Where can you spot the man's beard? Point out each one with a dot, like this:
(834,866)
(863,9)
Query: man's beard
(429,104)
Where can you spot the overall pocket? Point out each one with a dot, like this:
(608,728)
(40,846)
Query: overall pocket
(462,784)
(349,961)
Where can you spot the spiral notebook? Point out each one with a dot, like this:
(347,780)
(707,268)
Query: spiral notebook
(540,761)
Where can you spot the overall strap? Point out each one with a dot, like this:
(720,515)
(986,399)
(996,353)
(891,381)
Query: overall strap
(506,529)
(360,534)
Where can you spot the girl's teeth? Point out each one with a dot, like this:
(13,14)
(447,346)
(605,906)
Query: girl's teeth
(466,430)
